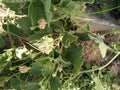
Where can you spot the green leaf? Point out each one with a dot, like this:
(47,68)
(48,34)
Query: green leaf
(48,69)
(55,83)
(68,39)
(48,13)
(57,26)
(40,33)
(71,8)
(65,63)
(15,83)
(36,69)
(36,11)
(83,36)
(11,5)
(32,86)
(98,83)
(43,66)
(3,62)
(2,43)
(25,24)
(15,1)
(103,49)
(13,29)
(102,46)
(116,46)
(15,6)
(83,28)
(47,66)
(74,55)
(64,3)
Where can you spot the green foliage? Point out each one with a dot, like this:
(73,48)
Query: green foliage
(68,39)
(15,83)
(102,46)
(48,54)
(15,1)
(25,24)
(74,55)
(3,79)
(42,66)
(36,11)
(55,83)
(31,86)
(13,29)
(98,83)
(39,34)
(48,13)
(2,43)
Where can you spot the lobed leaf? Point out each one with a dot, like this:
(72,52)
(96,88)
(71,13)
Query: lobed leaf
(74,55)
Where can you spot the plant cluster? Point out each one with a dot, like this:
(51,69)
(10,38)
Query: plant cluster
(41,50)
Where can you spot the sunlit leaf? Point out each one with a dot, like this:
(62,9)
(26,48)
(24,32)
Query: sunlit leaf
(98,83)
(103,49)
(102,46)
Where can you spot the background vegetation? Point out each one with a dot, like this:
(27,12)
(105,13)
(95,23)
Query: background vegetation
(42,48)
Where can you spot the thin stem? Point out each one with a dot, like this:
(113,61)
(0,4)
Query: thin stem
(102,67)
(105,10)
(110,61)
(8,31)
(58,18)
(96,69)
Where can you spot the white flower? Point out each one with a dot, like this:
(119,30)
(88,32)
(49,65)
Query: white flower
(46,45)
(20,51)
